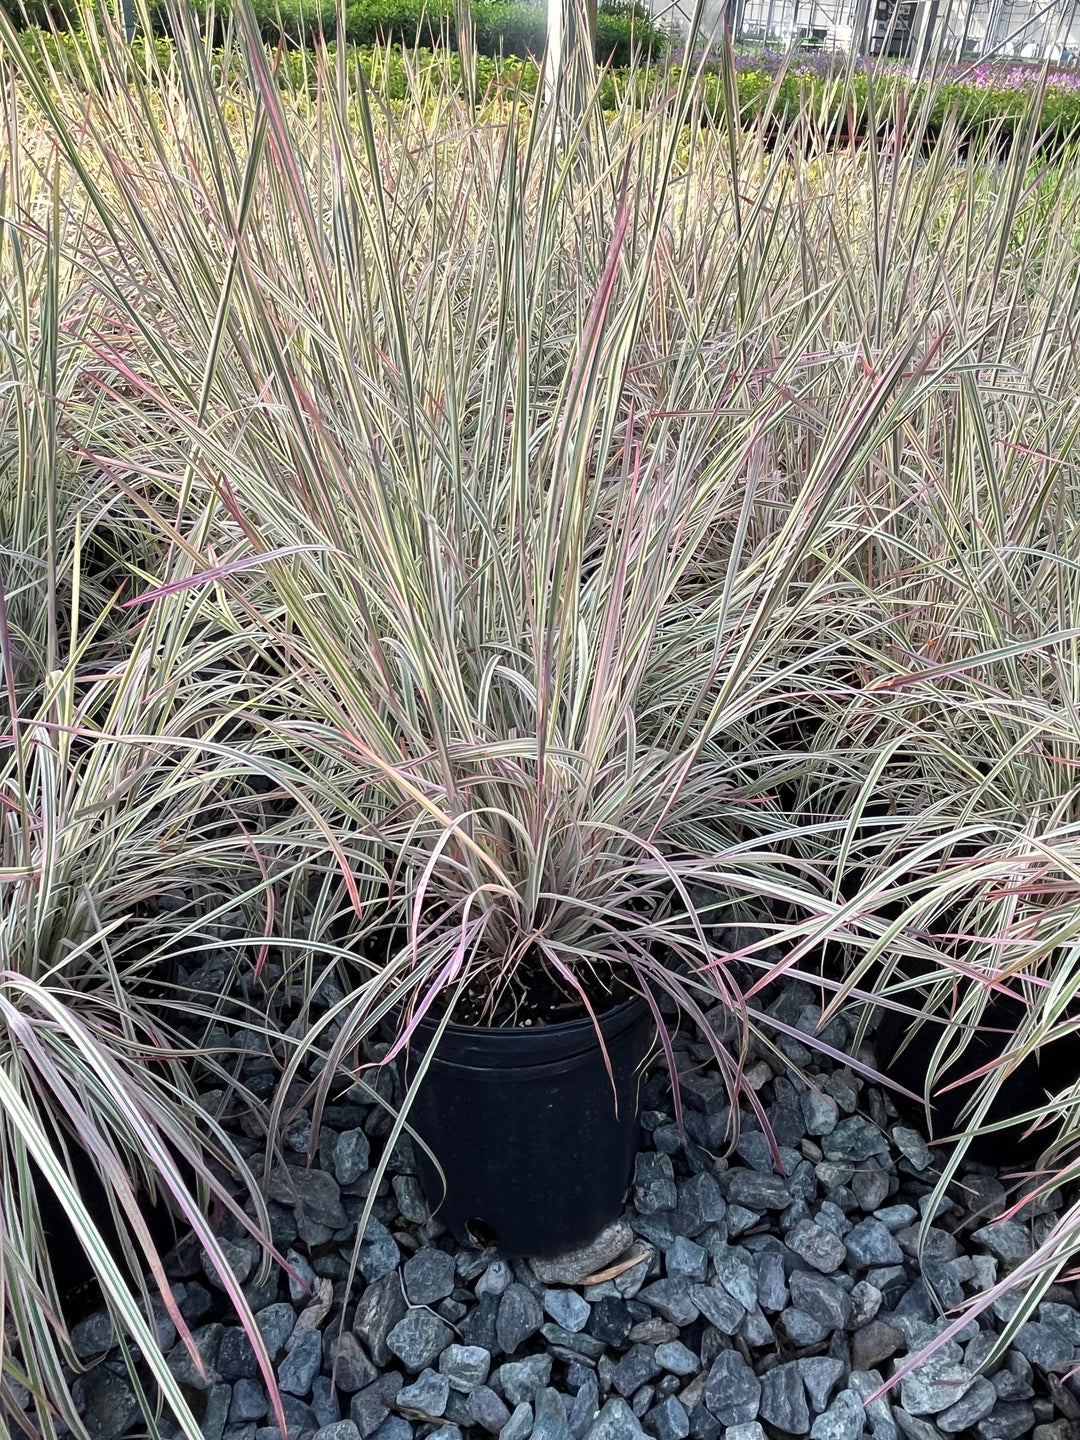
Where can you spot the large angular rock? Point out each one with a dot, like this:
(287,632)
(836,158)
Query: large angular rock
(820,1374)
(871,1245)
(975,1406)
(668,1420)
(1007,1421)
(379,1253)
(673,1300)
(352,1153)
(700,1204)
(369,1408)
(576,1266)
(1061,1317)
(616,1421)
(249,1402)
(938,1383)
(239,1255)
(519,1426)
(1044,1345)
(736,1272)
(520,1317)
(820,1112)
(783,1399)
(1009,1241)
(352,1368)
(419,1339)
(801,1328)
(236,1358)
(465,1366)
(551,1422)
(338,1430)
(758,1192)
(111,1406)
(92,1336)
(207,1341)
(686,1260)
(487,1410)
(732,1391)
(480,1325)
(381,1307)
(654,1183)
(584,1408)
(313,1195)
(519,1380)
(821,1297)
(854,1139)
(299,1368)
(636,1368)
(428,1393)
(428,1276)
(772,1289)
(843,1420)
(276,1324)
(819,1247)
(718,1307)
(677,1358)
(873,1344)
(567,1308)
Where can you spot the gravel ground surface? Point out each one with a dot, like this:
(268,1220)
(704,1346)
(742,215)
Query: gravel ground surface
(739,1303)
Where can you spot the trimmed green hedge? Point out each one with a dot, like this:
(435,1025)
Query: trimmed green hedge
(502,28)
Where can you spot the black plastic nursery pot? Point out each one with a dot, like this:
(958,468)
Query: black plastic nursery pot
(76,1280)
(535,1153)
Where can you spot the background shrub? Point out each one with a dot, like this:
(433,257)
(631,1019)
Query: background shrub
(501,29)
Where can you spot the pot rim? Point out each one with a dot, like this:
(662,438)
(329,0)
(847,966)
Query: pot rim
(519,1048)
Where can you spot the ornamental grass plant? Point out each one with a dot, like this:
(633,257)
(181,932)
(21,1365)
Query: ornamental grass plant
(601,538)
(105,817)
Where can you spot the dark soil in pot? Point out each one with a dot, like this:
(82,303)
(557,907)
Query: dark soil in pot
(535,1140)
(530,992)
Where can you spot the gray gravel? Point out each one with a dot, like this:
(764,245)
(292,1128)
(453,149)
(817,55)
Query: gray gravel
(762,1302)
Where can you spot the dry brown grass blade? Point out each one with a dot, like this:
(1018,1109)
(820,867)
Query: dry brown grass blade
(613,1270)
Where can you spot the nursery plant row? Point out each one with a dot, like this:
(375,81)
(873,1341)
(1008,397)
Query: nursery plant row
(835,100)
(500,27)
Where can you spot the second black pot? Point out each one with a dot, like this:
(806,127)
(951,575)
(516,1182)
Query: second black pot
(76,1279)
(535,1153)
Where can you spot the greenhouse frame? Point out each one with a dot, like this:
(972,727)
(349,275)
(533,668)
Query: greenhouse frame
(959,30)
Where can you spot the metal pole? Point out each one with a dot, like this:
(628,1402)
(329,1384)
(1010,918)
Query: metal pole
(992,26)
(994,47)
(734,11)
(924,35)
(969,10)
(1071,27)
(860,27)
(1060,36)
